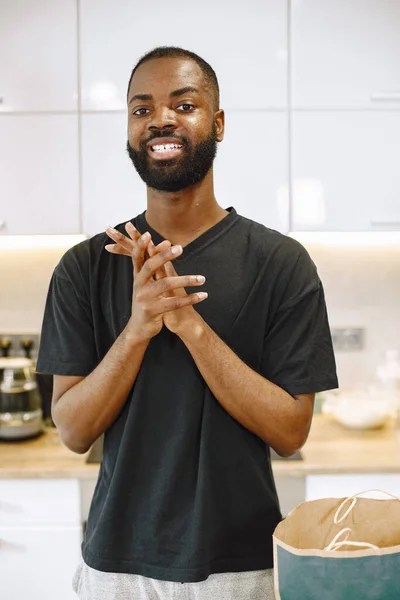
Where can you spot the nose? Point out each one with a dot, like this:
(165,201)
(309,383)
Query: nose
(162,118)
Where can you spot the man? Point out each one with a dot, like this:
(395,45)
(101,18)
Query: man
(193,358)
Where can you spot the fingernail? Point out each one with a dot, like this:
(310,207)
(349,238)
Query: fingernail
(176,249)
(200,278)
(145,237)
(202,295)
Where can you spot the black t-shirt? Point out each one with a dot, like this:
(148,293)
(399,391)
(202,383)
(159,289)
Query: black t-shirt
(184,490)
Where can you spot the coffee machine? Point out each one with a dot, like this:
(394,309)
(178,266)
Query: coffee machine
(21,414)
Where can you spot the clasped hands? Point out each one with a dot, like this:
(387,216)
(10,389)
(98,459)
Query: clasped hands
(159,296)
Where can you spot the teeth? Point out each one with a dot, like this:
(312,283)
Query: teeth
(165,147)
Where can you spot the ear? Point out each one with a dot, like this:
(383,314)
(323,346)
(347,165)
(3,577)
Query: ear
(220,124)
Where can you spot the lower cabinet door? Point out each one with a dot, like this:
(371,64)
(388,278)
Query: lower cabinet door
(38,563)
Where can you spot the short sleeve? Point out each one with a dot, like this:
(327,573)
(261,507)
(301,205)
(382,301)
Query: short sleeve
(298,353)
(67,345)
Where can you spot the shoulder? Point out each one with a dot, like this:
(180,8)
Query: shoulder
(285,263)
(86,259)
(78,259)
(286,250)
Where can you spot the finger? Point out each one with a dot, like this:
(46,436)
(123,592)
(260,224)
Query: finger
(164,245)
(138,253)
(153,250)
(170,269)
(134,234)
(117,249)
(176,302)
(157,261)
(168,284)
(131,230)
(120,239)
(123,245)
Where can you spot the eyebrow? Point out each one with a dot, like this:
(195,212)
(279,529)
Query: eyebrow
(180,92)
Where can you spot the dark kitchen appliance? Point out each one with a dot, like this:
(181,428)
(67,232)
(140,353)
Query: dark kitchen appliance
(45,385)
(21,414)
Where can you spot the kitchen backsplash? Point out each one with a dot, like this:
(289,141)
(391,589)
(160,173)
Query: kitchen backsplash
(362,287)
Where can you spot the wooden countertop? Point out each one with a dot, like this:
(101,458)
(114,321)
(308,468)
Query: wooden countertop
(43,457)
(330,449)
(333,449)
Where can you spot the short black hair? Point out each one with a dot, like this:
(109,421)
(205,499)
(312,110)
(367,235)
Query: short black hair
(176,52)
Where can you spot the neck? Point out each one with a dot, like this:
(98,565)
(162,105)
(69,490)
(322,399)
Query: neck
(182,216)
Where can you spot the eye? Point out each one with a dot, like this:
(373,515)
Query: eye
(140,111)
(186,107)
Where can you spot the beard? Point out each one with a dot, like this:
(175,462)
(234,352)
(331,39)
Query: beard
(178,173)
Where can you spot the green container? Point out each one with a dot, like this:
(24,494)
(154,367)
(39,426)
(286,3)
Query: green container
(317,578)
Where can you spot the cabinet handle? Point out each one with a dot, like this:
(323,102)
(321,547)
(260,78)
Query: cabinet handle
(389,224)
(385,96)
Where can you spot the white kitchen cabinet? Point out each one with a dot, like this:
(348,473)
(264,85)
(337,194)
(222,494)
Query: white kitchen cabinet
(112,191)
(251,170)
(251,167)
(38,55)
(245,44)
(345,53)
(39,563)
(32,502)
(40,538)
(345,171)
(39,167)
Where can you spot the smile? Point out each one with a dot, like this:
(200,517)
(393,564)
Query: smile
(166,151)
(165,147)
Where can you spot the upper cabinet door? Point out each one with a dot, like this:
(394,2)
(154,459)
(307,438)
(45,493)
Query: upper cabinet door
(246,44)
(38,55)
(345,168)
(254,178)
(112,191)
(345,53)
(39,189)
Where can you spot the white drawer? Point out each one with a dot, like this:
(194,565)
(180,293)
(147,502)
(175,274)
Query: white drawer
(39,502)
(38,563)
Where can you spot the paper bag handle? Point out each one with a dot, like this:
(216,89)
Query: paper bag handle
(353,499)
(335,544)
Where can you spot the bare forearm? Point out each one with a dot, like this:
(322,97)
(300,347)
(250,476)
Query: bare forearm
(258,404)
(87,409)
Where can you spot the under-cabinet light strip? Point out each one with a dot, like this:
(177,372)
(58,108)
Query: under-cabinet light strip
(348,238)
(23,242)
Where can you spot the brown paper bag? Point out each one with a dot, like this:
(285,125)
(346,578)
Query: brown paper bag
(339,548)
